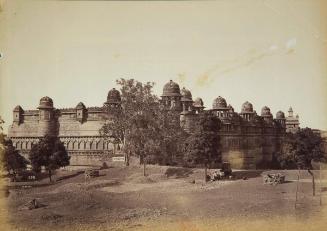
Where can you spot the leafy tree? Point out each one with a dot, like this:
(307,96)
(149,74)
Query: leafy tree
(49,152)
(203,146)
(300,149)
(138,103)
(172,138)
(11,160)
(1,123)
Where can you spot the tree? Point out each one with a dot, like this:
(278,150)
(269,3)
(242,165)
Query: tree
(172,138)
(11,160)
(203,146)
(138,102)
(49,152)
(300,149)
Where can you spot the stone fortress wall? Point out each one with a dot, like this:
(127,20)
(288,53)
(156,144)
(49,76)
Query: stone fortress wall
(247,138)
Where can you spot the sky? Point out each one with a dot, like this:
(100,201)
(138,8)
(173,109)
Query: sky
(269,52)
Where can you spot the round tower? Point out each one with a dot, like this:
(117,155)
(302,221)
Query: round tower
(46,117)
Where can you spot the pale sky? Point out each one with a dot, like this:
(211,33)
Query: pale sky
(269,52)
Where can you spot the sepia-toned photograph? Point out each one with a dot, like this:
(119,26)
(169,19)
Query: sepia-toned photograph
(163,115)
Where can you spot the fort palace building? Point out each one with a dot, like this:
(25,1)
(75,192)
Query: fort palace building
(247,138)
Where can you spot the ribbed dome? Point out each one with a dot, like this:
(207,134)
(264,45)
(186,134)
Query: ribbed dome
(113,96)
(280,115)
(219,103)
(247,107)
(80,105)
(18,108)
(46,102)
(171,89)
(186,95)
(265,111)
(198,102)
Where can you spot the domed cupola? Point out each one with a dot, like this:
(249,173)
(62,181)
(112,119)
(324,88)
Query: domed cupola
(266,114)
(219,104)
(265,111)
(46,103)
(113,97)
(247,107)
(198,105)
(280,115)
(230,108)
(186,95)
(171,89)
(198,102)
(280,118)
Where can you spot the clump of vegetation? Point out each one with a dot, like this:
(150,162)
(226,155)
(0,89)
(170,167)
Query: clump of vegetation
(203,146)
(145,129)
(49,152)
(10,159)
(299,150)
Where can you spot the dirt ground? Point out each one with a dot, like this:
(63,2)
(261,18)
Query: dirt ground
(122,199)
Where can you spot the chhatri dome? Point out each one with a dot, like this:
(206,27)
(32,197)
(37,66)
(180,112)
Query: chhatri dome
(280,115)
(171,89)
(46,102)
(219,103)
(265,111)
(186,95)
(247,107)
(198,102)
(113,96)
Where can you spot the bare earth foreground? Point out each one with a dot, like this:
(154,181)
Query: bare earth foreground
(122,199)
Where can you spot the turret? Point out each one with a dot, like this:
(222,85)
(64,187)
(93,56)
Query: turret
(113,100)
(247,112)
(186,100)
(290,112)
(198,105)
(80,112)
(280,118)
(18,115)
(292,122)
(171,96)
(266,114)
(46,117)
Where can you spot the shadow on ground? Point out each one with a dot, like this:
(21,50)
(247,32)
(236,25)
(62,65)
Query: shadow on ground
(247,174)
(178,172)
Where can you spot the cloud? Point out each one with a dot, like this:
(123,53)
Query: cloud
(251,56)
(203,80)
(248,58)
